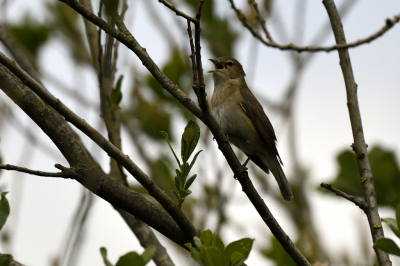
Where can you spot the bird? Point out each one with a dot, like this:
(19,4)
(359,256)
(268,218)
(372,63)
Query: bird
(243,120)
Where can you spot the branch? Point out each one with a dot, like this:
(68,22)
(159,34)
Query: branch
(124,36)
(389,23)
(107,146)
(91,36)
(199,87)
(177,12)
(10,167)
(112,119)
(192,54)
(239,171)
(260,19)
(360,147)
(83,167)
(361,204)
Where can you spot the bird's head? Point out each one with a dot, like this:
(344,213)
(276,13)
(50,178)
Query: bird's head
(227,68)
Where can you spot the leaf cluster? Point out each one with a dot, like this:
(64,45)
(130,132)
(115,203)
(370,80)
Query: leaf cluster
(209,250)
(131,258)
(387,244)
(384,168)
(190,138)
(5,259)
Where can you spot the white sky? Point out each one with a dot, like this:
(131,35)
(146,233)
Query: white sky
(45,204)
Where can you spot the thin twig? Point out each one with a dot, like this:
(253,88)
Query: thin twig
(199,87)
(92,36)
(260,19)
(178,12)
(361,204)
(192,54)
(388,24)
(360,147)
(29,171)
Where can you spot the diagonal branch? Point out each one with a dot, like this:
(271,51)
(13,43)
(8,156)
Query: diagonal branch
(360,147)
(260,19)
(83,167)
(389,23)
(106,145)
(124,36)
(240,173)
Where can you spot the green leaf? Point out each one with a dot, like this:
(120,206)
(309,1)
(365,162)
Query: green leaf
(178,181)
(211,256)
(236,259)
(176,194)
(387,245)
(111,7)
(185,193)
(4,209)
(5,259)
(30,34)
(198,243)
(393,225)
(190,138)
(185,171)
(149,253)
(398,220)
(103,252)
(116,94)
(242,246)
(194,253)
(220,36)
(217,242)
(385,171)
(130,259)
(194,160)
(206,237)
(189,182)
(169,144)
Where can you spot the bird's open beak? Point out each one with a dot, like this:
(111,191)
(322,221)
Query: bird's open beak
(217,65)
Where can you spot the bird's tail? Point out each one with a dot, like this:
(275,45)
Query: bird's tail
(276,169)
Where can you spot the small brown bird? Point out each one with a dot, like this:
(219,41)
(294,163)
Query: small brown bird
(243,120)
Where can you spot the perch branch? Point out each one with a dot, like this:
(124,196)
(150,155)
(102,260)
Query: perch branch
(240,172)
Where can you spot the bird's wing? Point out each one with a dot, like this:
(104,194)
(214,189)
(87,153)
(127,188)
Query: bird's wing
(256,114)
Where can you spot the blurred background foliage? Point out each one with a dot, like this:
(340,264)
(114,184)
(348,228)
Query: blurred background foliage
(148,109)
(385,171)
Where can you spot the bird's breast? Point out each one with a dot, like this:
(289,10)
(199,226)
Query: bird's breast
(235,123)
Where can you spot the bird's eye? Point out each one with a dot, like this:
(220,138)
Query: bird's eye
(230,63)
